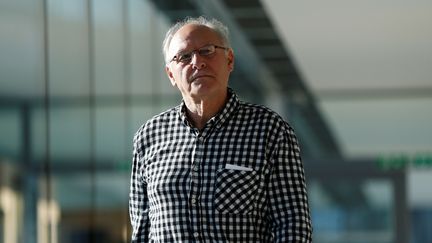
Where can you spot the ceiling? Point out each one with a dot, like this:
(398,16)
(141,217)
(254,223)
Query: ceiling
(369,65)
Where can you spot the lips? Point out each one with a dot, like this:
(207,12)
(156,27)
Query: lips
(199,75)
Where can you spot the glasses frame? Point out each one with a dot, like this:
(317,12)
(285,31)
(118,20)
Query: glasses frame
(198,51)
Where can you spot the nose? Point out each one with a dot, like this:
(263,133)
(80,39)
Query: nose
(197,61)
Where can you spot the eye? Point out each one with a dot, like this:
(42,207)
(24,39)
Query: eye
(207,50)
(182,57)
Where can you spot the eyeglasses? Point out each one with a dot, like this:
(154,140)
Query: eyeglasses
(205,51)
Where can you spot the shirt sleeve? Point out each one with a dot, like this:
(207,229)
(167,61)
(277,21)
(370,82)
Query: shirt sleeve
(138,202)
(289,210)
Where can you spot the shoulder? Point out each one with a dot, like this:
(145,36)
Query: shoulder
(272,126)
(262,113)
(155,123)
(266,119)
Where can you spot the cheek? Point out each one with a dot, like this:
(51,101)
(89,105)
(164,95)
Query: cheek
(178,76)
(184,75)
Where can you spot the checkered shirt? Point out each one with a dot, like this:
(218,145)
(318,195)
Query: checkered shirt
(239,179)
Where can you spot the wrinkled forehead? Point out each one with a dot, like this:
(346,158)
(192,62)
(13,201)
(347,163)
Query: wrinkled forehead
(193,36)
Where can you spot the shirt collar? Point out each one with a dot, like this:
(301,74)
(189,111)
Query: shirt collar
(219,119)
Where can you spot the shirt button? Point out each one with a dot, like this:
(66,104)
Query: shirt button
(193,201)
(196,234)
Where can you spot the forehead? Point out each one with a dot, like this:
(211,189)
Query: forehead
(193,36)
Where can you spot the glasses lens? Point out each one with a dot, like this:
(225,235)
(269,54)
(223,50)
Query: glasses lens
(184,57)
(206,50)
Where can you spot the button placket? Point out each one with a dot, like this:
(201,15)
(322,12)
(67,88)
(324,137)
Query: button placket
(195,186)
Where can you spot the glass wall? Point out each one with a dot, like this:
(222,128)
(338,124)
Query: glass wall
(353,219)
(77,79)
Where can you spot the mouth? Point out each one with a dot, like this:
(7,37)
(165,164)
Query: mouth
(199,76)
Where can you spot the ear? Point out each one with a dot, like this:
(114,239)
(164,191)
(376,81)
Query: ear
(231,59)
(170,75)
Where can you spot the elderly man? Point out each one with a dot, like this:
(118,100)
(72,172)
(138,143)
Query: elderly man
(214,168)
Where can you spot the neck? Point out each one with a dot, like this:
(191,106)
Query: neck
(201,110)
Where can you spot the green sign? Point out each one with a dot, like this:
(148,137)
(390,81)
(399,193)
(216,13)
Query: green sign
(401,161)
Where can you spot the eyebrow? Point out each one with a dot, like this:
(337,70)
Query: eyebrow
(201,46)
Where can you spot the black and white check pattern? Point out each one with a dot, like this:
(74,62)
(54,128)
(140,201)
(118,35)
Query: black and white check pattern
(182,192)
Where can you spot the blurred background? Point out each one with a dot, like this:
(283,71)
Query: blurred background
(78,77)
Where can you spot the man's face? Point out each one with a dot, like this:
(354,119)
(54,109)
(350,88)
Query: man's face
(204,77)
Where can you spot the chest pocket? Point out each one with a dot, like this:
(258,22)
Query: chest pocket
(235,191)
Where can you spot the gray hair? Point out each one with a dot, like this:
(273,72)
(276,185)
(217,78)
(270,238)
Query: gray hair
(212,23)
